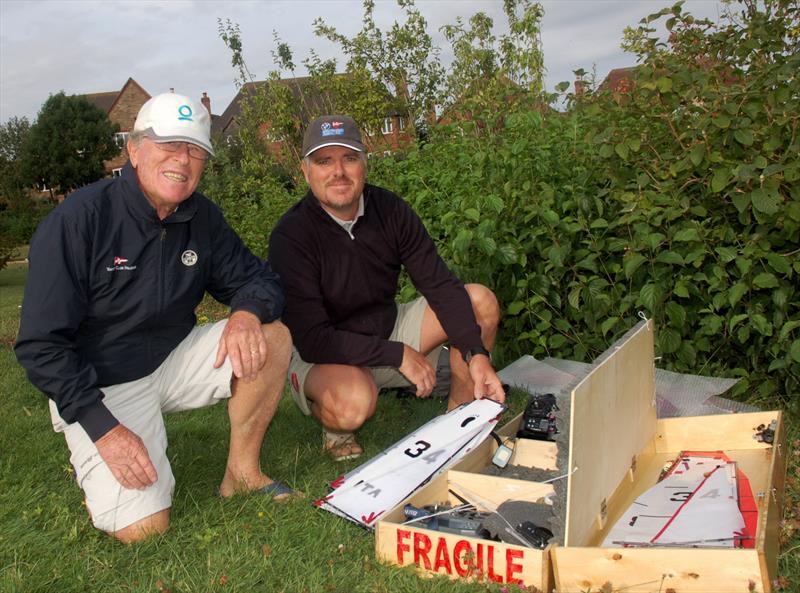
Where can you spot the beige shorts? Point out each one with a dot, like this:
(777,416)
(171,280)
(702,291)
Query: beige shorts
(186,380)
(407,329)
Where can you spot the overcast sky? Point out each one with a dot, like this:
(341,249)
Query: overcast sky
(89,46)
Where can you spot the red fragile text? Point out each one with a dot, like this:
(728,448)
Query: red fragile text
(459,557)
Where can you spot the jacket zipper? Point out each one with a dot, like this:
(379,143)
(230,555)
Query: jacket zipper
(161,270)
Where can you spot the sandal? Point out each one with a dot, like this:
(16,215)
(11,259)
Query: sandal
(341,446)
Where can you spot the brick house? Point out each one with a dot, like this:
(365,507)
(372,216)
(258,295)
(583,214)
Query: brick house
(121,107)
(392,136)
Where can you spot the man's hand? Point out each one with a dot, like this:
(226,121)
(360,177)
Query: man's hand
(418,369)
(487,383)
(243,341)
(127,458)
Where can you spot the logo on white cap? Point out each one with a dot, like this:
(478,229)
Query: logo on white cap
(185,113)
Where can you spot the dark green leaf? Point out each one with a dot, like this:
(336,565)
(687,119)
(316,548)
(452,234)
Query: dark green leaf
(721,121)
(609,323)
(632,263)
(761,325)
(765,201)
(744,136)
(669,257)
(779,263)
(669,340)
(676,314)
(720,179)
(697,153)
(515,307)
(736,292)
(794,351)
(765,280)
(647,296)
(689,234)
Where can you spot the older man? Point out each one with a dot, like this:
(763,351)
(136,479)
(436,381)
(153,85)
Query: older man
(108,326)
(339,252)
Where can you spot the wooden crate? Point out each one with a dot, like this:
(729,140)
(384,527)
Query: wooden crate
(459,556)
(617,449)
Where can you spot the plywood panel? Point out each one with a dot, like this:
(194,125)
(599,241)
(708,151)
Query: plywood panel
(709,433)
(613,418)
(533,453)
(769,522)
(640,570)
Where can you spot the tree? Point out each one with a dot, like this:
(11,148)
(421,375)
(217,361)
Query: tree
(13,134)
(485,71)
(67,145)
(403,60)
(14,202)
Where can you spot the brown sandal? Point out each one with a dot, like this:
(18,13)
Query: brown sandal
(341,446)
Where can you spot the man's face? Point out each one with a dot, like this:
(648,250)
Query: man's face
(336,176)
(166,177)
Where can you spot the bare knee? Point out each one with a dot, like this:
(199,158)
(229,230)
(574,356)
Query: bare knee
(485,305)
(344,399)
(279,341)
(151,525)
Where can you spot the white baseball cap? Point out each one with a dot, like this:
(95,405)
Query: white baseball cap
(170,117)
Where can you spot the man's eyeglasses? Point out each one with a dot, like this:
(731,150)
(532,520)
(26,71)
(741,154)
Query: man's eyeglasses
(177,146)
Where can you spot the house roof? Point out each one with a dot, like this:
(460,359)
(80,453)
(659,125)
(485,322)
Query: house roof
(107,100)
(102,100)
(312,102)
(227,121)
(614,79)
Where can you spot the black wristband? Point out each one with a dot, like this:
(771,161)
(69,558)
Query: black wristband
(474,351)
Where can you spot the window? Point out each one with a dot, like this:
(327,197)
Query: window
(387,125)
(121,139)
(116,172)
(401,123)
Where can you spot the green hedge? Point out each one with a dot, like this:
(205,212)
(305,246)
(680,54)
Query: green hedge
(676,199)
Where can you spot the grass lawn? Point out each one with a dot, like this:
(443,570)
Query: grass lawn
(245,544)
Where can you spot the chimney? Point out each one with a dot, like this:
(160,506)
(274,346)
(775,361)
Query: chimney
(580,87)
(206,101)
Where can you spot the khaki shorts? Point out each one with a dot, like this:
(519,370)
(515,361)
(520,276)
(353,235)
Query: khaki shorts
(186,380)
(407,329)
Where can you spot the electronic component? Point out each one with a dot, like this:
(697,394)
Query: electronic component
(538,419)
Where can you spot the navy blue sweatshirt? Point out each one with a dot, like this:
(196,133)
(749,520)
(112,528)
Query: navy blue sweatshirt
(112,290)
(340,291)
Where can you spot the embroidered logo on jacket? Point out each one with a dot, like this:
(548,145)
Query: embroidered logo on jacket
(189,258)
(120,264)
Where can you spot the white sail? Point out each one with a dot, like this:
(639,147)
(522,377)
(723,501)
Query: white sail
(371,489)
(695,505)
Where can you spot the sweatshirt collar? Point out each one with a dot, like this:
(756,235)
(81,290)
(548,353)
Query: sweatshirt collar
(313,203)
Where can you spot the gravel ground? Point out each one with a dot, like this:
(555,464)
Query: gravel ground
(552,516)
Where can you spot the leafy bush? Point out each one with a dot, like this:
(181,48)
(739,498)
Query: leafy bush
(251,191)
(677,199)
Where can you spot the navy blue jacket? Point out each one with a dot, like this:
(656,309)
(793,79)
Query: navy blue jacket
(112,290)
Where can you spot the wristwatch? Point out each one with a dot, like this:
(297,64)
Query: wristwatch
(474,351)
